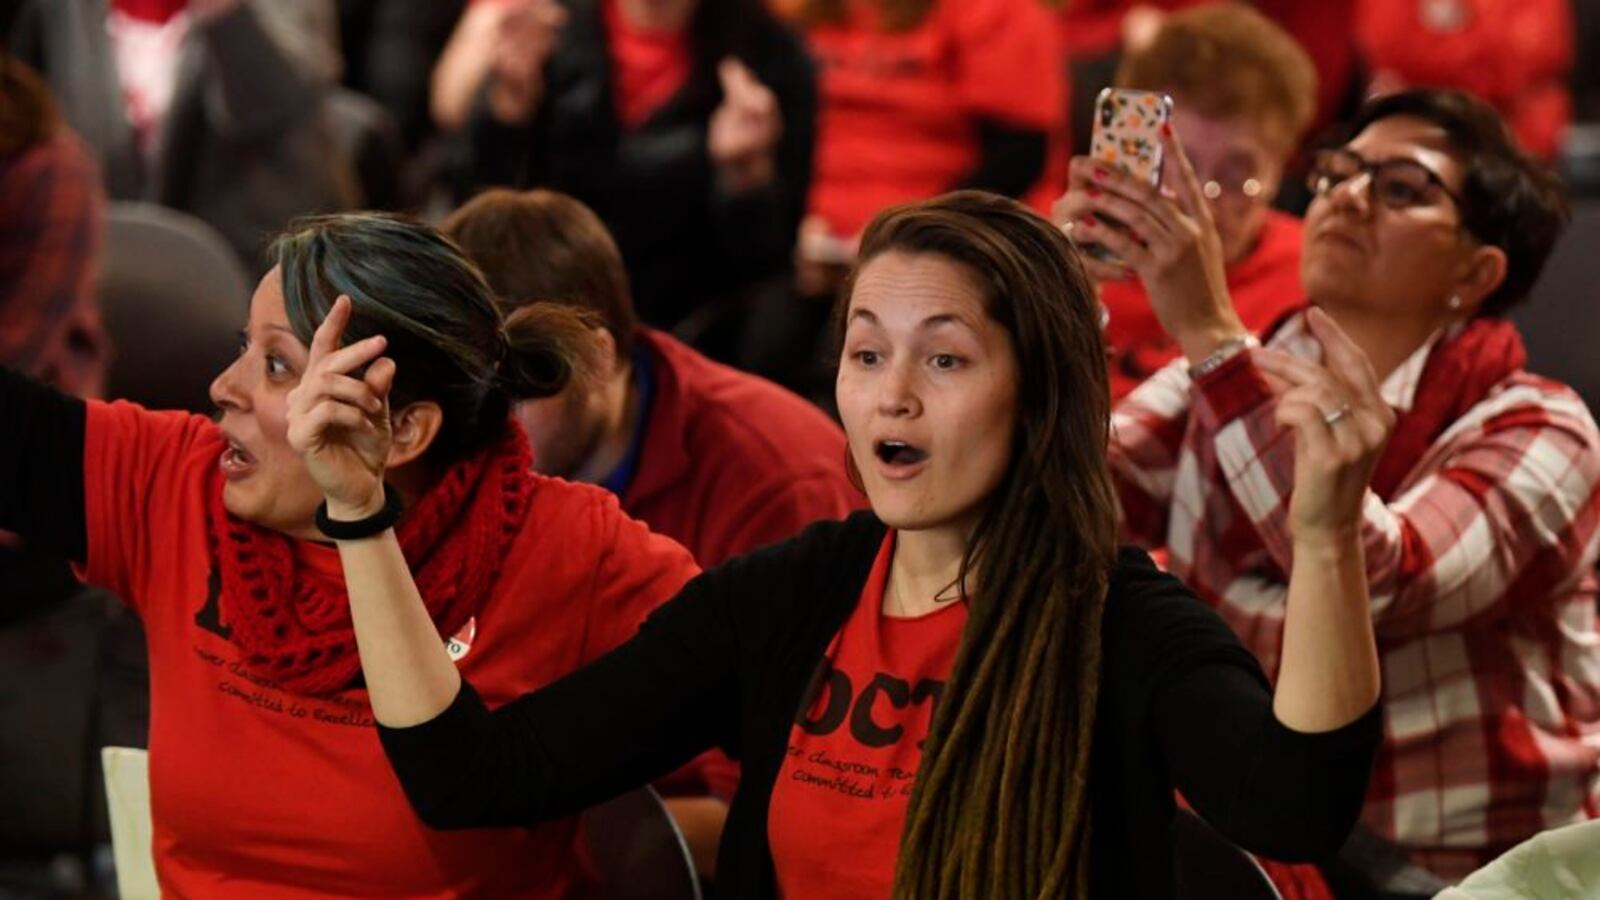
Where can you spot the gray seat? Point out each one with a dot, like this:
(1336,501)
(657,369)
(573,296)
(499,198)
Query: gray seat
(638,850)
(174,297)
(1207,866)
(1560,320)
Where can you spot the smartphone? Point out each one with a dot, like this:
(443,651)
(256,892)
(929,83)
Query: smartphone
(1127,136)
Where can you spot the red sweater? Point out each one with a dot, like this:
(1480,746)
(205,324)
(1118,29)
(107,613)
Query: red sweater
(1263,286)
(732,462)
(258,792)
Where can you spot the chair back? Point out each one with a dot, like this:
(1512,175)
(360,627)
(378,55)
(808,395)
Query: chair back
(174,296)
(638,851)
(127,774)
(1208,866)
(369,140)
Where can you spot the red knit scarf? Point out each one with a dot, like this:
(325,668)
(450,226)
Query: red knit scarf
(293,624)
(1460,372)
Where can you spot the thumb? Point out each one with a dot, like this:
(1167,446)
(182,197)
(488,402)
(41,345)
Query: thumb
(380,378)
(736,79)
(1340,353)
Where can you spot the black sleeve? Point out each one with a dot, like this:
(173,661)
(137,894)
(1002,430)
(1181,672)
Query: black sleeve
(629,718)
(1285,794)
(1010,159)
(41,454)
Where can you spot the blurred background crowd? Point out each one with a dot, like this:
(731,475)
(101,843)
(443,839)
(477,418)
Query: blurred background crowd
(150,150)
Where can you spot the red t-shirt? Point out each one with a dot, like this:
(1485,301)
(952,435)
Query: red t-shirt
(896,119)
(1264,285)
(647,67)
(257,792)
(840,801)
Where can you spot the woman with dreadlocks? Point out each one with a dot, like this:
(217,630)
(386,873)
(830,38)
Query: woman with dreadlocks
(967,692)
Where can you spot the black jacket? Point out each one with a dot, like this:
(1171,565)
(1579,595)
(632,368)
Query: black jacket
(726,663)
(684,240)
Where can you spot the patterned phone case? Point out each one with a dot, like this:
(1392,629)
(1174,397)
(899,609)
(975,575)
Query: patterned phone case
(1127,131)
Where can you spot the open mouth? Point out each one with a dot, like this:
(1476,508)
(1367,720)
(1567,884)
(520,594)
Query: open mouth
(236,461)
(897,453)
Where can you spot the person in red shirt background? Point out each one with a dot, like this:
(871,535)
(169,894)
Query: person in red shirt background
(266,778)
(918,97)
(1094,33)
(1240,122)
(53,208)
(721,461)
(1516,54)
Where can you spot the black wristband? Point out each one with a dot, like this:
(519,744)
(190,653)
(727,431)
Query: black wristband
(377,523)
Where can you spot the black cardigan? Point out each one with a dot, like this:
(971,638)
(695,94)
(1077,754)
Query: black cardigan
(685,241)
(725,663)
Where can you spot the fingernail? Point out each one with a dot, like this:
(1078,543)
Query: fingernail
(1088,221)
(1100,174)
(1166,129)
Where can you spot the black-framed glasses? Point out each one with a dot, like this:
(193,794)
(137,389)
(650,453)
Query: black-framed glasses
(1396,183)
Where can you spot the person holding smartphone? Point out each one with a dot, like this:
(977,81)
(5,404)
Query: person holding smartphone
(1482,520)
(929,698)
(1240,124)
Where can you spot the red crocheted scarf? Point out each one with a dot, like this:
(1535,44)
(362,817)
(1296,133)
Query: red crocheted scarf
(292,623)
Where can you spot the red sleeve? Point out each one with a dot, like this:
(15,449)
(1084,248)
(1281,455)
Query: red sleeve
(143,478)
(639,571)
(1009,64)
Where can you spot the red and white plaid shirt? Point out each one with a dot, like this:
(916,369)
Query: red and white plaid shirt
(1482,577)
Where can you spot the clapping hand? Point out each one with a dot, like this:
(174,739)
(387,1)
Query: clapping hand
(339,419)
(1340,424)
(744,129)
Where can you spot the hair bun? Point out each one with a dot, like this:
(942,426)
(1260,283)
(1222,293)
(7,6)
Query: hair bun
(547,345)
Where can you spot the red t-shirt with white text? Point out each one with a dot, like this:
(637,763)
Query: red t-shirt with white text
(257,792)
(840,801)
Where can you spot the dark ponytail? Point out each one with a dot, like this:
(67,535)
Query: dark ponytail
(445,332)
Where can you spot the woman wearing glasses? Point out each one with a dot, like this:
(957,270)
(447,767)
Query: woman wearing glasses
(1239,123)
(1480,522)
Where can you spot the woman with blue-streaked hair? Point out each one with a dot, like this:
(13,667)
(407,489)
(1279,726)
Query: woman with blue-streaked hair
(267,779)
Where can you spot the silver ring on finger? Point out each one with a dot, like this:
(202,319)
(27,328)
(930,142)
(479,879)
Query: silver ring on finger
(1333,418)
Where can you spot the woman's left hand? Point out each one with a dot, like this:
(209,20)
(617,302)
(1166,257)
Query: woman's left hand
(1166,237)
(339,421)
(1340,423)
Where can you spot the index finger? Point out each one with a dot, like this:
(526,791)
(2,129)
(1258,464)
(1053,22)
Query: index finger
(327,336)
(1186,185)
(1341,353)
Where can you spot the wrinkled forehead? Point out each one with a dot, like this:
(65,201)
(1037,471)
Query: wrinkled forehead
(909,289)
